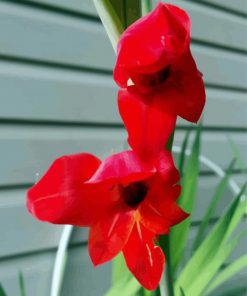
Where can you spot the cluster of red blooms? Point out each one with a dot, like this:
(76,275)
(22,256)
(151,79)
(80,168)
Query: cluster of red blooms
(129,199)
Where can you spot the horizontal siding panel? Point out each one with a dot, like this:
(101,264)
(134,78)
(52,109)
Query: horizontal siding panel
(33,235)
(30,150)
(236,5)
(85,6)
(216,146)
(48,94)
(46,36)
(220,67)
(227,30)
(232,102)
(38,146)
(80,275)
(48,33)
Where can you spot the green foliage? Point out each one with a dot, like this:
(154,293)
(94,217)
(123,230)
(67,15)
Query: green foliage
(126,285)
(237,154)
(21,284)
(182,155)
(213,251)
(179,233)
(2,292)
(228,272)
(213,204)
(110,20)
(146,6)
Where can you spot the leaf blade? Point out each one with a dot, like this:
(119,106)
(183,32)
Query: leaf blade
(215,243)
(212,206)
(228,272)
(182,154)
(186,201)
(110,20)
(2,291)
(21,284)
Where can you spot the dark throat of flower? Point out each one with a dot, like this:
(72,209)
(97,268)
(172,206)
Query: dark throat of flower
(152,80)
(134,193)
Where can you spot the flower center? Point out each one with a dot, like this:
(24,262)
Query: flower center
(134,193)
(153,79)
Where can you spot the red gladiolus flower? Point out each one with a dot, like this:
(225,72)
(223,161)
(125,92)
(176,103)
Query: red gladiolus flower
(126,202)
(154,54)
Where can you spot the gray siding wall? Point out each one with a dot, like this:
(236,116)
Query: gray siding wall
(58,97)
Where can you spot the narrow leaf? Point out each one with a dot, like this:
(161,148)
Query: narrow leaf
(119,269)
(212,206)
(146,6)
(237,154)
(206,275)
(133,11)
(110,20)
(214,246)
(21,284)
(228,272)
(182,154)
(126,286)
(2,292)
(179,233)
(182,292)
(122,280)
(237,291)
(144,292)
(119,7)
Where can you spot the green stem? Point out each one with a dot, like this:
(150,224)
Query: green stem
(164,242)
(146,6)
(110,20)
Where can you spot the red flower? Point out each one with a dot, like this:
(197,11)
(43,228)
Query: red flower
(126,202)
(154,54)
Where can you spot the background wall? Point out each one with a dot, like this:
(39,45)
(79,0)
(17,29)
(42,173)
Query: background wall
(58,97)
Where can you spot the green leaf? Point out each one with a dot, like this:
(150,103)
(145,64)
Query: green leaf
(182,154)
(113,25)
(182,292)
(133,11)
(214,249)
(122,280)
(2,292)
(228,272)
(237,291)
(128,11)
(237,154)
(214,265)
(128,285)
(21,284)
(119,269)
(213,204)
(146,6)
(179,233)
(144,292)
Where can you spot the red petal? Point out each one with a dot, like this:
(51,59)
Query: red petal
(122,168)
(143,258)
(183,94)
(166,167)
(152,42)
(159,210)
(60,196)
(108,237)
(149,128)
